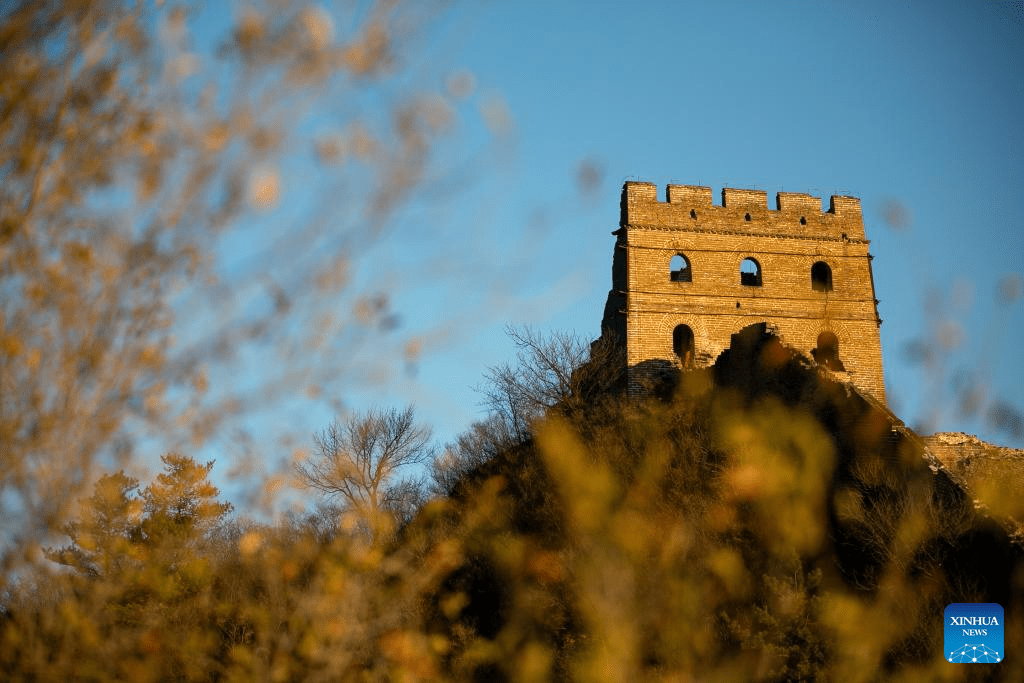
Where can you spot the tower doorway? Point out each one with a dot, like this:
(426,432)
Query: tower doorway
(682,345)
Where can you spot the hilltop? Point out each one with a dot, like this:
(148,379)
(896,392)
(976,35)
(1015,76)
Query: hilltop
(756,519)
(753,520)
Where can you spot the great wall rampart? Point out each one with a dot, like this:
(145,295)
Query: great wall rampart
(687,274)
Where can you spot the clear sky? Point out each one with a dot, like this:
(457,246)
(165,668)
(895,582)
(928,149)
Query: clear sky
(915,108)
(912,105)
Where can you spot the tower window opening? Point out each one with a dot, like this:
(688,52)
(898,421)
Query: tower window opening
(821,277)
(750,273)
(682,345)
(746,217)
(679,269)
(827,353)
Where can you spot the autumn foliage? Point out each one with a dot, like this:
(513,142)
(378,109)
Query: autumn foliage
(763,523)
(751,521)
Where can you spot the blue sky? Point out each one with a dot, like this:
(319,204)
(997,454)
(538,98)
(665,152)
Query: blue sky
(914,103)
(917,106)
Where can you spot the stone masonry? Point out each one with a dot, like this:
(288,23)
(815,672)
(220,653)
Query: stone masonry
(809,279)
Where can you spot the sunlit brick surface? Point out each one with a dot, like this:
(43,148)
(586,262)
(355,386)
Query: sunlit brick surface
(645,305)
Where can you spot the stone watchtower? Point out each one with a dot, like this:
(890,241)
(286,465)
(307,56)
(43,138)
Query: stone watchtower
(687,274)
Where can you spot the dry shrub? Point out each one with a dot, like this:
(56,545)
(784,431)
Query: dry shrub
(758,524)
(169,266)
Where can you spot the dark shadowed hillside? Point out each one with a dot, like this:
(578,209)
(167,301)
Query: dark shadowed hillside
(752,521)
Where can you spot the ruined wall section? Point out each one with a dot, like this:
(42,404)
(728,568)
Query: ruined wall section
(786,242)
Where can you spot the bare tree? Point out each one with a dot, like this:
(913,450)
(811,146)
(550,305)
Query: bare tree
(479,443)
(358,461)
(541,376)
(560,369)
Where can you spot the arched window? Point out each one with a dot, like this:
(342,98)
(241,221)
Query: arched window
(679,269)
(827,353)
(682,344)
(821,277)
(750,273)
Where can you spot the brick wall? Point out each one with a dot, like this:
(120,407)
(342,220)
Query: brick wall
(786,242)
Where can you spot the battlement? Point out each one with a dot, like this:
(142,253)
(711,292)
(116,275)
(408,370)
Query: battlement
(688,275)
(691,207)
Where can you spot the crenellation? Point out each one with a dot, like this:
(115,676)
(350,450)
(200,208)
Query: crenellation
(797,202)
(733,198)
(847,207)
(690,207)
(641,192)
(789,243)
(695,196)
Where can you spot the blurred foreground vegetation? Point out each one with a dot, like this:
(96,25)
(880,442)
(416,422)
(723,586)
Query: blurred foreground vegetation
(755,521)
